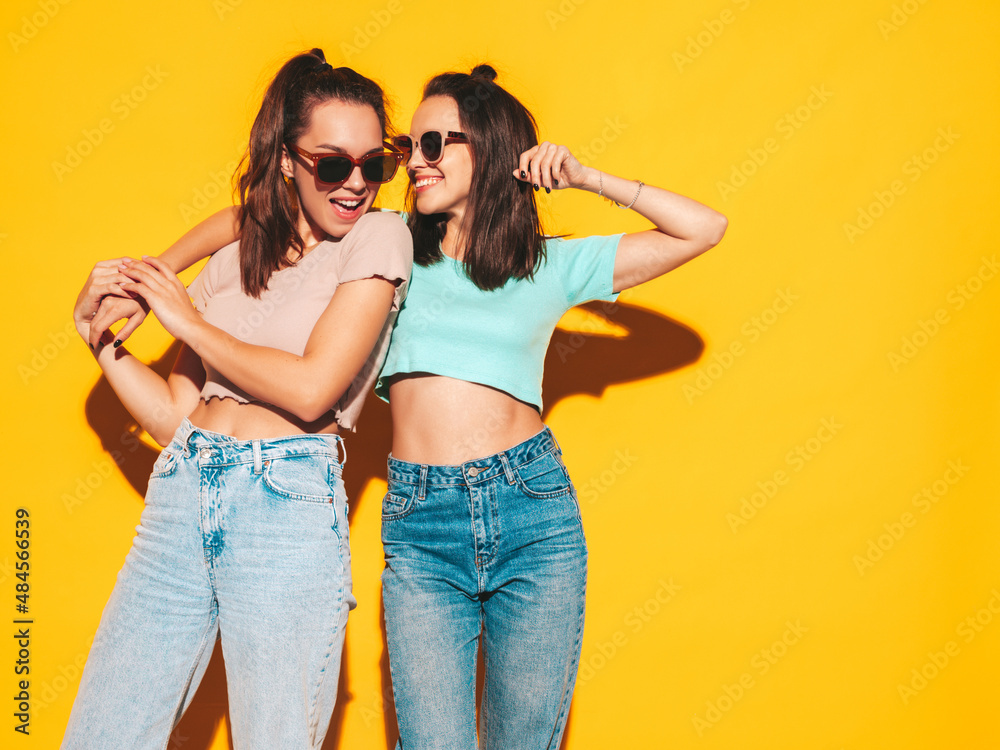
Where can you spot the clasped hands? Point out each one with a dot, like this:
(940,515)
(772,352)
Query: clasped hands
(126,289)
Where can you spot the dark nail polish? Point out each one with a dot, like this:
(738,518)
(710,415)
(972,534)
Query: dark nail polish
(536,188)
(523,174)
(91,346)
(118,342)
(557,182)
(548,190)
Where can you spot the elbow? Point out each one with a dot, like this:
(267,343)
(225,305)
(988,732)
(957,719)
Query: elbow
(163,432)
(710,235)
(162,436)
(716,230)
(312,405)
(311,413)
(312,395)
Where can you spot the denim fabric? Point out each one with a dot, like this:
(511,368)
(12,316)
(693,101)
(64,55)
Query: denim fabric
(493,548)
(243,540)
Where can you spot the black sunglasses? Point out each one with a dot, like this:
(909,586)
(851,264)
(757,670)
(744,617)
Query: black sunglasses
(334,169)
(431,143)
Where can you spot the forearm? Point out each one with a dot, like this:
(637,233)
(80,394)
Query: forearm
(145,394)
(214,233)
(309,385)
(289,381)
(675,215)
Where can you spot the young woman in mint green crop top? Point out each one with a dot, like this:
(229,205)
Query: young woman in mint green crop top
(480,524)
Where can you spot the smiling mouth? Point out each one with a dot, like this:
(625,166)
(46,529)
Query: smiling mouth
(424,182)
(348,204)
(347,208)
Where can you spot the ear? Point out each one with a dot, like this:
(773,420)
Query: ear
(286,163)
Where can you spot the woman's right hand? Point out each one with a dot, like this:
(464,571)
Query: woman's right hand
(92,314)
(551,166)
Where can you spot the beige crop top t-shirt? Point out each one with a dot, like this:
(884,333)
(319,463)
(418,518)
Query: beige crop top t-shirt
(379,245)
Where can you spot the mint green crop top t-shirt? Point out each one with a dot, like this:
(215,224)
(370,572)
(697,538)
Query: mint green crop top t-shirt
(449,326)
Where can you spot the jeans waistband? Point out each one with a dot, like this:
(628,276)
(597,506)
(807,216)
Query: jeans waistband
(477,470)
(225,449)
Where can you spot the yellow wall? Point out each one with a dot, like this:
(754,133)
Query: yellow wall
(783,533)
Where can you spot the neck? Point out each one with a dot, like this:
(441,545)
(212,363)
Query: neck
(310,233)
(453,244)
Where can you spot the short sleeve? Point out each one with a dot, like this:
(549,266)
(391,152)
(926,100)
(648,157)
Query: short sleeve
(381,246)
(586,267)
(206,283)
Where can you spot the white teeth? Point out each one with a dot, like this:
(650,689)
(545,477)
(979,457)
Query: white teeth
(427,181)
(348,204)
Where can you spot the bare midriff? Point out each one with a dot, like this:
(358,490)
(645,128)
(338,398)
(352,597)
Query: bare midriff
(444,421)
(254,421)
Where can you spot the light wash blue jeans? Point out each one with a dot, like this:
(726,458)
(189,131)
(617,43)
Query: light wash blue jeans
(493,548)
(243,540)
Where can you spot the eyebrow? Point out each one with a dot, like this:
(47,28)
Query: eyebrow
(339,150)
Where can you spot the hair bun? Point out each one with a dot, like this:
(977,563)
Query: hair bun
(484,71)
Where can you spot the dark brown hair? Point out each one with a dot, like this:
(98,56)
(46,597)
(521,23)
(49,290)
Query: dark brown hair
(268,213)
(504,237)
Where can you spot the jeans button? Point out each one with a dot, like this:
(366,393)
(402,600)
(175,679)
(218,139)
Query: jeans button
(474,472)
(206,452)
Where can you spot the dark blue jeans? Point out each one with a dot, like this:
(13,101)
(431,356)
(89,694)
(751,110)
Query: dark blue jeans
(492,548)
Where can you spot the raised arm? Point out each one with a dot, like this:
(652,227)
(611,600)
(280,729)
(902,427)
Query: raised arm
(684,230)
(158,405)
(212,234)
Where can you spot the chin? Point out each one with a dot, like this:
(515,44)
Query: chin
(339,231)
(337,226)
(428,206)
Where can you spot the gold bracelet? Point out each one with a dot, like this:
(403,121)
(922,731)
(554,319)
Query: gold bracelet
(634,197)
(600,192)
(600,188)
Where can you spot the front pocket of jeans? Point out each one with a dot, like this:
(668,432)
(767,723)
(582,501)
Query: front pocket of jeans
(166,462)
(397,503)
(304,478)
(543,477)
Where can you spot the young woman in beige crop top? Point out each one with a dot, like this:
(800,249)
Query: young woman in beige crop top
(244,533)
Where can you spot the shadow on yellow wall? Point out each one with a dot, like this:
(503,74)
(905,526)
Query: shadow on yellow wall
(577,363)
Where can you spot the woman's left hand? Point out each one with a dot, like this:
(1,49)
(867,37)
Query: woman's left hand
(164,293)
(550,166)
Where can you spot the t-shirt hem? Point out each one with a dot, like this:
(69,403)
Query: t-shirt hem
(469,376)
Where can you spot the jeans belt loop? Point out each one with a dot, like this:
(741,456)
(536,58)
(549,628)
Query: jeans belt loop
(187,440)
(342,446)
(257,464)
(422,485)
(553,436)
(508,472)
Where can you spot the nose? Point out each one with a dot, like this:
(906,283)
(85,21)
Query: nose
(416,158)
(355,180)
